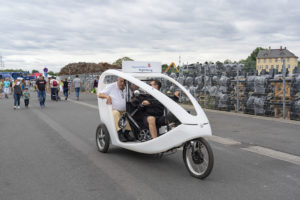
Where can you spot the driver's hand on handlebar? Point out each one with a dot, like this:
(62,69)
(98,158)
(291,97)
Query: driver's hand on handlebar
(145,103)
(108,101)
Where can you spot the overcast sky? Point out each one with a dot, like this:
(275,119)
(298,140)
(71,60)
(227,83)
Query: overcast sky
(36,33)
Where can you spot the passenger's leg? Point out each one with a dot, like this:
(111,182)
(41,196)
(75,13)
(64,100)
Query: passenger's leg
(127,136)
(152,126)
(117,116)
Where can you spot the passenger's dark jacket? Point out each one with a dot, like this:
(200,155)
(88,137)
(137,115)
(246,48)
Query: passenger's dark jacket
(155,108)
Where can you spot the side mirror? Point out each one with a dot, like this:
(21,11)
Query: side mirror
(136,93)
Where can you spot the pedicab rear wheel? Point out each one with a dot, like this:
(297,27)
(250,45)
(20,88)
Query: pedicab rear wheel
(198,158)
(102,138)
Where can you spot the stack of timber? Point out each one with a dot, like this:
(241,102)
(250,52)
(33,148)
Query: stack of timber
(277,97)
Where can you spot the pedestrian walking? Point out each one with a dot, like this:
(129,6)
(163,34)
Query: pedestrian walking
(61,86)
(1,88)
(27,84)
(54,89)
(17,93)
(6,87)
(41,88)
(66,88)
(26,95)
(22,84)
(69,84)
(95,85)
(77,84)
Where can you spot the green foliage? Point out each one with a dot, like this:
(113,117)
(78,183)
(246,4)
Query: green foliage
(164,67)
(227,61)
(218,63)
(51,73)
(35,71)
(11,70)
(254,54)
(249,65)
(250,62)
(119,61)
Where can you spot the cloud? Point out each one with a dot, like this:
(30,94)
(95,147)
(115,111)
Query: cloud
(53,33)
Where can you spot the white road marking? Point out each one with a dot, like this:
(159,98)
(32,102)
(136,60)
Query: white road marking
(221,140)
(85,104)
(254,149)
(274,154)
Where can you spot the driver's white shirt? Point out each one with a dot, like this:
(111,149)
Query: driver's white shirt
(117,96)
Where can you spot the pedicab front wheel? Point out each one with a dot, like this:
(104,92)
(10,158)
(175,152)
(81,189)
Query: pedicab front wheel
(102,138)
(198,158)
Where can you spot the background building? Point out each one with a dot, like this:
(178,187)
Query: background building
(271,59)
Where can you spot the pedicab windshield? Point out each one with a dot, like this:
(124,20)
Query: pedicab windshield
(168,88)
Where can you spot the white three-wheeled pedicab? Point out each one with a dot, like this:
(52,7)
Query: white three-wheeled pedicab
(187,131)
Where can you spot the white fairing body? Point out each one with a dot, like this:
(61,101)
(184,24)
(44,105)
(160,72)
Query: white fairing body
(191,127)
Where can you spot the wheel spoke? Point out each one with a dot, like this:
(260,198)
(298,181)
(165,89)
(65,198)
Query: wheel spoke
(101,137)
(199,159)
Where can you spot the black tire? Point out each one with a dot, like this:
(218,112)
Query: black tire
(102,138)
(199,158)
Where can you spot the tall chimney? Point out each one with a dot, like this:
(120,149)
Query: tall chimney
(280,48)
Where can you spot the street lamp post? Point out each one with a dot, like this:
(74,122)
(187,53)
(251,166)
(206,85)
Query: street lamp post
(237,90)
(205,99)
(1,62)
(283,87)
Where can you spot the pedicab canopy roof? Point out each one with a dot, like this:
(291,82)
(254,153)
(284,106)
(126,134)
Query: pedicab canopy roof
(141,67)
(183,116)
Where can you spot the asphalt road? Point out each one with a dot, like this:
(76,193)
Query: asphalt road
(50,153)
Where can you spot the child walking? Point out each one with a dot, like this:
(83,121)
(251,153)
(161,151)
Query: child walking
(26,95)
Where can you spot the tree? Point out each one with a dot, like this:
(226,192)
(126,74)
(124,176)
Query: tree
(227,61)
(219,64)
(250,62)
(11,70)
(35,71)
(119,61)
(164,67)
(51,73)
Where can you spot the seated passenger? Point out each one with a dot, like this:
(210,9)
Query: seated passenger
(115,94)
(153,111)
(151,115)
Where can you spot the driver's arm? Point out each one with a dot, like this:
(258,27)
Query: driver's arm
(105,96)
(102,96)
